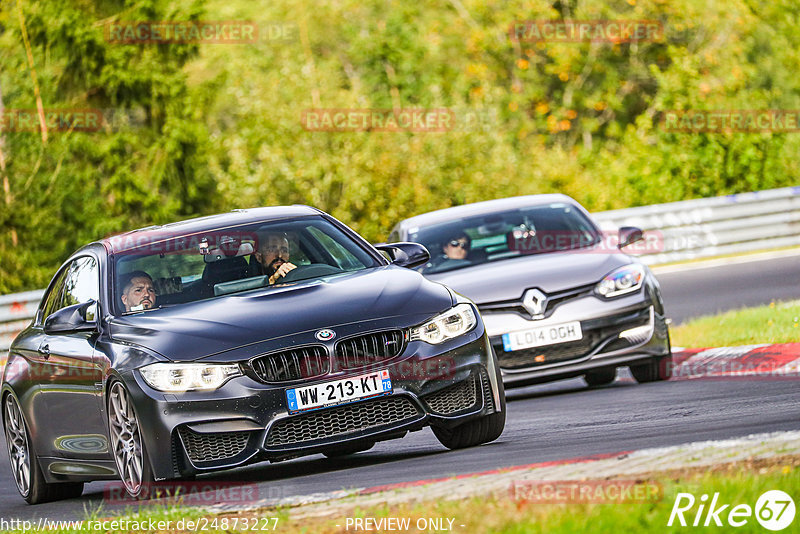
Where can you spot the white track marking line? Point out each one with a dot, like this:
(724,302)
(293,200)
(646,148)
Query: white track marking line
(721,262)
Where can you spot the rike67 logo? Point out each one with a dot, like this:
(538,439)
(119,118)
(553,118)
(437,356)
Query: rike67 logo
(774,510)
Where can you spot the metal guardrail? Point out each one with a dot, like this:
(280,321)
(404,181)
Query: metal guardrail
(16,312)
(688,229)
(714,226)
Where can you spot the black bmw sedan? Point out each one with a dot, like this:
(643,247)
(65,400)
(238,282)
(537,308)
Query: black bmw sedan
(260,334)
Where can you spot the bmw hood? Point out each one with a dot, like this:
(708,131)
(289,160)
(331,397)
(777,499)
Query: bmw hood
(384,297)
(508,279)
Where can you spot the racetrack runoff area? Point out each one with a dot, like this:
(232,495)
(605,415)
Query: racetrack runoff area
(622,476)
(620,479)
(544,461)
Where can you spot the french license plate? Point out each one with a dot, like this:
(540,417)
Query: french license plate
(339,391)
(543,335)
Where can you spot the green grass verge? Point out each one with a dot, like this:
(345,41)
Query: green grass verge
(506,515)
(741,483)
(776,323)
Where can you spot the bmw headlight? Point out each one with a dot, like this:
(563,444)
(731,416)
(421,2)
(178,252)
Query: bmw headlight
(179,377)
(624,280)
(455,322)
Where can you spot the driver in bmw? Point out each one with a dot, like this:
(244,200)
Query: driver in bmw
(273,256)
(138,292)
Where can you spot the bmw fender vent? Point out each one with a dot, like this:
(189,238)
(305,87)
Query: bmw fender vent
(455,398)
(213,447)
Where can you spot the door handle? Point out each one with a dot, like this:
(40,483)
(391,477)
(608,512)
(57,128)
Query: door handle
(44,350)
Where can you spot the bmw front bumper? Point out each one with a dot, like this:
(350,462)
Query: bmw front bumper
(246,420)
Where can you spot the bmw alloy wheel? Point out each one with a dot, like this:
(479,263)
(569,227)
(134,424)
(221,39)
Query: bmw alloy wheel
(126,439)
(18,446)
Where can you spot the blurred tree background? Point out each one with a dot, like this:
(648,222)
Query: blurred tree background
(203,128)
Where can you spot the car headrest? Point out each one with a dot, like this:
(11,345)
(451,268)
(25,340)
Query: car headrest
(477,255)
(215,254)
(168,285)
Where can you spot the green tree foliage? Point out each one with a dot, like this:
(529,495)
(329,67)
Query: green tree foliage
(212,127)
(147,163)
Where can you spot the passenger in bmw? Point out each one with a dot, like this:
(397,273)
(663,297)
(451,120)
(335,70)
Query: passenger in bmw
(273,256)
(138,291)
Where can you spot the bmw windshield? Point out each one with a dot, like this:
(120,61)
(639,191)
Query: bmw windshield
(556,227)
(163,267)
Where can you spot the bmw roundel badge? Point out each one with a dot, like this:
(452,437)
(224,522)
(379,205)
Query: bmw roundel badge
(325,334)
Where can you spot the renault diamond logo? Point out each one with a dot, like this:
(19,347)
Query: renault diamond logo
(325,334)
(535,302)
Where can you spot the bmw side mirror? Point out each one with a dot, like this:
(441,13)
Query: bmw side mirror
(405,254)
(75,318)
(628,235)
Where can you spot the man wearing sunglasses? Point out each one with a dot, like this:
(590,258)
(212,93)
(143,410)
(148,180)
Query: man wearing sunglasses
(454,254)
(457,247)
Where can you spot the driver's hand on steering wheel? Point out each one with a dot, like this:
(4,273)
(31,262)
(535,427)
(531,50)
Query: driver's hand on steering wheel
(281,272)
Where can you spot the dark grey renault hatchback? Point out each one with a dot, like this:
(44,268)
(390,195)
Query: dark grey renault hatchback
(260,334)
(560,298)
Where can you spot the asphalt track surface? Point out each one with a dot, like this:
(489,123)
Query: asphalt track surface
(706,291)
(556,421)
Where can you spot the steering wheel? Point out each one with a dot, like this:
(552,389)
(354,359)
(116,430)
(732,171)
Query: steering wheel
(312,270)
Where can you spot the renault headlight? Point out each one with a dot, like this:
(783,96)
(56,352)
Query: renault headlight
(455,322)
(179,377)
(624,280)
